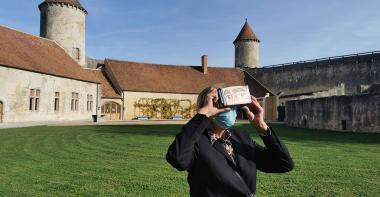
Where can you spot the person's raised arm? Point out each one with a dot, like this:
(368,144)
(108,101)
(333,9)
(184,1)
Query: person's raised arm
(182,152)
(274,157)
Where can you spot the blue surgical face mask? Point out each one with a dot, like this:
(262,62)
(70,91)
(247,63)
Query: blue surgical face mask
(226,120)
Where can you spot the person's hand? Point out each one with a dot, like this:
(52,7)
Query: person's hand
(255,114)
(208,107)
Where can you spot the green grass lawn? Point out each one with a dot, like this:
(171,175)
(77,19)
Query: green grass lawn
(130,161)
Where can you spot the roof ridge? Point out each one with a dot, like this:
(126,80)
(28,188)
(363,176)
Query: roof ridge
(159,64)
(257,81)
(92,69)
(29,34)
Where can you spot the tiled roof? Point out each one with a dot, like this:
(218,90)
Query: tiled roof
(144,77)
(75,3)
(108,91)
(27,52)
(32,53)
(246,33)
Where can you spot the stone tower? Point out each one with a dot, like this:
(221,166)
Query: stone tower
(65,22)
(247,48)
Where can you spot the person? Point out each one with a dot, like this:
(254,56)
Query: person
(281,112)
(222,161)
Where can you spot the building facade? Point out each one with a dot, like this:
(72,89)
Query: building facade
(30,96)
(47,78)
(158,91)
(40,82)
(359,113)
(50,78)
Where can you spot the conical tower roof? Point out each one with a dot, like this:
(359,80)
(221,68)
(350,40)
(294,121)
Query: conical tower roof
(74,3)
(246,33)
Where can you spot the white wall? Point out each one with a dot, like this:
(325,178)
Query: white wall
(15,87)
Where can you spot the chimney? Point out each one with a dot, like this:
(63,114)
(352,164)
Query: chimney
(204,64)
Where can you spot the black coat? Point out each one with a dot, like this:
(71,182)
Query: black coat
(211,172)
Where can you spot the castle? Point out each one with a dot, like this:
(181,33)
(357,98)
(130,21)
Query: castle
(50,78)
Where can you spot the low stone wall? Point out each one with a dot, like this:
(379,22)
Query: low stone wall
(307,77)
(359,113)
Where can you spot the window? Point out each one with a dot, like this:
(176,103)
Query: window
(74,101)
(344,124)
(34,100)
(43,24)
(56,102)
(89,102)
(1,112)
(77,53)
(111,110)
(31,99)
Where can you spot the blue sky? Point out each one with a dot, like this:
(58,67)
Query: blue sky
(180,31)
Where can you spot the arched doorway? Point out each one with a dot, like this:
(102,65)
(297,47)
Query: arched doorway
(1,111)
(111,111)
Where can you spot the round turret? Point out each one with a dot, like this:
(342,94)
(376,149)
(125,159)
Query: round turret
(65,22)
(247,48)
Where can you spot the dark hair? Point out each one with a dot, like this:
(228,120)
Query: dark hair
(202,95)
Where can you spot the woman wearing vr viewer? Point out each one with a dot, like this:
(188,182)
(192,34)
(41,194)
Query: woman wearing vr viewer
(222,161)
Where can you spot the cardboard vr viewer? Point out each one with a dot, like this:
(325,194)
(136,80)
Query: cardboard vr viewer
(234,96)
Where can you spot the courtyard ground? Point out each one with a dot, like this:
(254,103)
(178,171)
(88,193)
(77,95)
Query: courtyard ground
(129,160)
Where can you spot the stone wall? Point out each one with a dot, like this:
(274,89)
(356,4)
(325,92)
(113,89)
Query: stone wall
(65,24)
(94,63)
(359,113)
(334,91)
(321,75)
(247,54)
(15,88)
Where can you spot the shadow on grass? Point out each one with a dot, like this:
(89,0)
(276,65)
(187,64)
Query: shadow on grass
(284,132)
(301,134)
(150,130)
